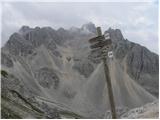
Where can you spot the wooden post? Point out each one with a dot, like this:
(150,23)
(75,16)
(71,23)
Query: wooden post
(108,80)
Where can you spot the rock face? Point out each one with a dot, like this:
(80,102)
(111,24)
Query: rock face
(84,67)
(18,45)
(47,78)
(147,111)
(5,60)
(55,70)
(141,63)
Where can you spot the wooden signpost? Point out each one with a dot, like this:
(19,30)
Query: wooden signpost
(96,39)
(101,43)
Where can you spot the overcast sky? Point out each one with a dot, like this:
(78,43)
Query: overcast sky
(138,21)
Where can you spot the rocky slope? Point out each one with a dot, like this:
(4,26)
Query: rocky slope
(147,111)
(49,73)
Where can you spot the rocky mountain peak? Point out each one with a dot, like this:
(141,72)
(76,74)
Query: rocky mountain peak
(89,27)
(24,29)
(61,29)
(15,37)
(115,34)
(48,28)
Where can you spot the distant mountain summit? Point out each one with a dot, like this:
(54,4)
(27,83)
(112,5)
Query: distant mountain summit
(89,27)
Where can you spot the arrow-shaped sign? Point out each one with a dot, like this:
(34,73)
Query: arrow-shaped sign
(96,39)
(96,50)
(101,44)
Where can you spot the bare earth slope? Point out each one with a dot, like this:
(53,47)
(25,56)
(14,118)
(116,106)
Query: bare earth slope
(127,93)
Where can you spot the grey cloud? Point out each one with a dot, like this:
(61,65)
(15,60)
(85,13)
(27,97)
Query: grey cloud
(115,15)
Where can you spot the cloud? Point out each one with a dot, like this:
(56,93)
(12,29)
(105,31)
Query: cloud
(137,20)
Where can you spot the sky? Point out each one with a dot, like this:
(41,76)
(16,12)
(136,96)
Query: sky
(138,21)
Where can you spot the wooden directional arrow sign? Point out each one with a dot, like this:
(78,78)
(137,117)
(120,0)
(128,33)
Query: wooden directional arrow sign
(101,44)
(96,50)
(96,39)
(100,49)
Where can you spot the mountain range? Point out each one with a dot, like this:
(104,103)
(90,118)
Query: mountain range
(48,73)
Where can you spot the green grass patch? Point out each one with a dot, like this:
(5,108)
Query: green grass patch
(4,73)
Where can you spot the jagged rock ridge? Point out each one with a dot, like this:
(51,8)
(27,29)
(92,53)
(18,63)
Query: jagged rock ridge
(53,66)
